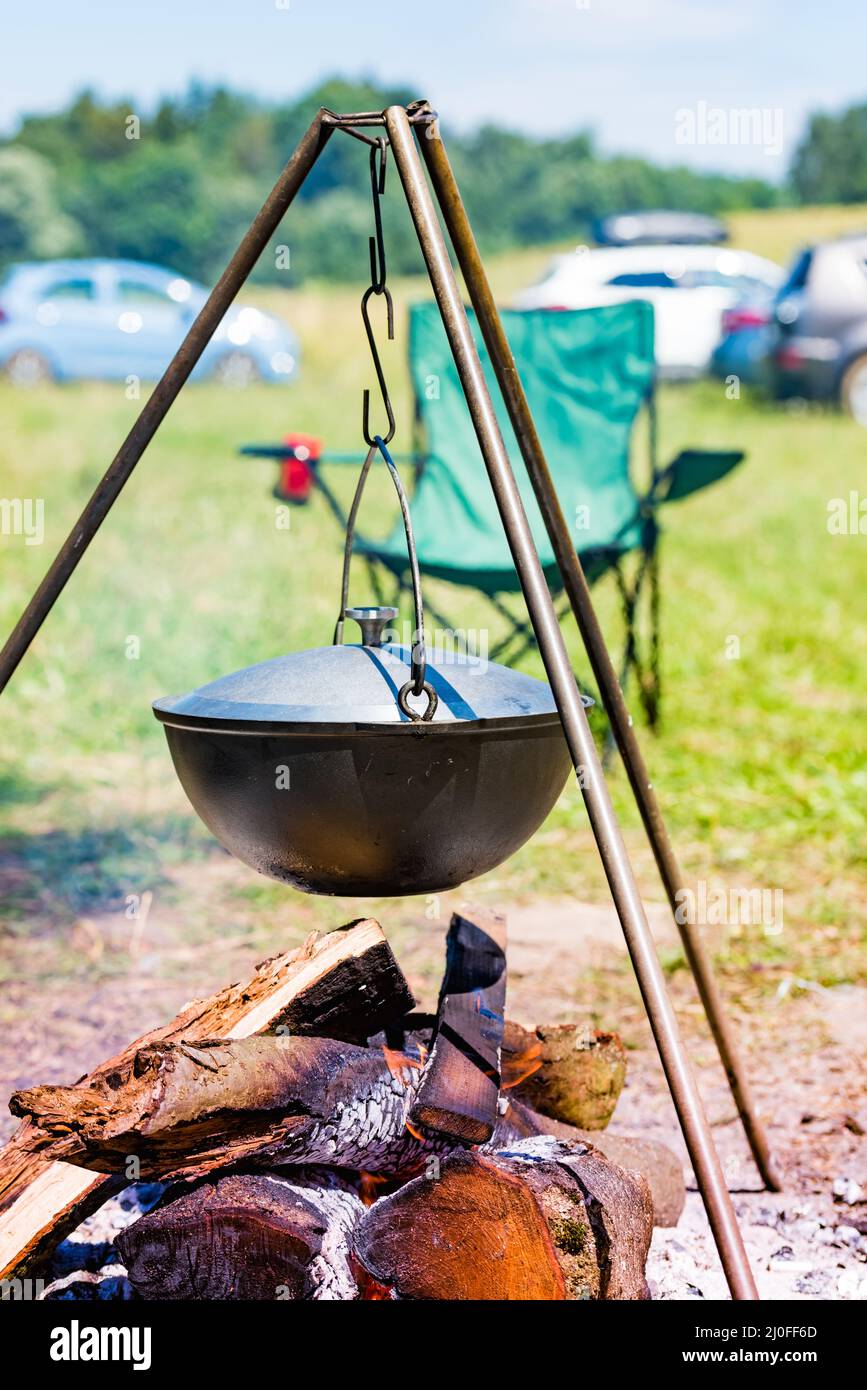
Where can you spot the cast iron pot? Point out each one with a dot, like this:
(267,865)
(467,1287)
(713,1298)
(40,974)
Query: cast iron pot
(323,770)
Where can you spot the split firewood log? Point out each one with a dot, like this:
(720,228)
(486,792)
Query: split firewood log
(247,1236)
(571,1073)
(346,981)
(545,1220)
(460,1085)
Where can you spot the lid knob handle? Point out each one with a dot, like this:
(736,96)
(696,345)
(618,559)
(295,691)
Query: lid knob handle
(371,621)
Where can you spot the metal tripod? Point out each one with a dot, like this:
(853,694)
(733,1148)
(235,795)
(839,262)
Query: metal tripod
(399,123)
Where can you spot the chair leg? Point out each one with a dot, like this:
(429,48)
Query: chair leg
(647,671)
(507,653)
(333,505)
(610,746)
(654,680)
(522,631)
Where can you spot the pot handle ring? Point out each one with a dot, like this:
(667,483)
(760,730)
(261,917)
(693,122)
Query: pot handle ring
(417,684)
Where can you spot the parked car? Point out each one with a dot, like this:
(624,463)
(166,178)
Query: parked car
(744,350)
(690,287)
(820,326)
(62,320)
(656,225)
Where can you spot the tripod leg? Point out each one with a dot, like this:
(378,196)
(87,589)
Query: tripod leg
(578,591)
(612,849)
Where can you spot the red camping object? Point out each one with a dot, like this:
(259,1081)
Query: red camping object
(295,481)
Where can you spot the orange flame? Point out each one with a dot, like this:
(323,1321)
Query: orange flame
(397,1062)
(368,1183)
(517,1066)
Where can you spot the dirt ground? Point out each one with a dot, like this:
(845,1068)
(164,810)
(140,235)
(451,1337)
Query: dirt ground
(805,1052)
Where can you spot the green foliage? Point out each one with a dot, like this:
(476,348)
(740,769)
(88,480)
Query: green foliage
(31,222)
(181,189)
(830,165)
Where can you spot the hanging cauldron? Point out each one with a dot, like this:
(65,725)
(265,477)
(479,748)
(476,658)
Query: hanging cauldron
(307,769)
(371,770)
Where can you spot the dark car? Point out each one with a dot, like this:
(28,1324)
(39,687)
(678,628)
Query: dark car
(819,348)
(747,338)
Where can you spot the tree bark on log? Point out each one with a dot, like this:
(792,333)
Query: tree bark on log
(460,1085)
(183,1109)
(544,1221)
(42,1200)
(247,1236)
(568,1072)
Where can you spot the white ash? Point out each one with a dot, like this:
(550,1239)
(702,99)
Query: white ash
(369,1132)
(340,1208)
(84,1285)
(848,1191)
(536,1148)
(799,1248)
(330,1272)
(91,1245)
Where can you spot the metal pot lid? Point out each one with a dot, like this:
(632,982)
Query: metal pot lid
(352,685)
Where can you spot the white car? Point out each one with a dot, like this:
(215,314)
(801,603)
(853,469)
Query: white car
(690,287)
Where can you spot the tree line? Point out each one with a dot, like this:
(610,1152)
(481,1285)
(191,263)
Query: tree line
(180,185)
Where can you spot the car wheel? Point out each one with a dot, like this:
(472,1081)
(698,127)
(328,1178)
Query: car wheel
(236,369)
(853,389)
(27,367)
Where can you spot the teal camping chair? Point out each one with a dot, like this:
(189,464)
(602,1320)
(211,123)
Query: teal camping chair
(587,374)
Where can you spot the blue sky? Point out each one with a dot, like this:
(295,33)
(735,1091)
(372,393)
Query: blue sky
(627,68)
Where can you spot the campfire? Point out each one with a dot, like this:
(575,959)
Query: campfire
(314,1137)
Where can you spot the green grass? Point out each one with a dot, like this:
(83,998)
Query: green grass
(759,763)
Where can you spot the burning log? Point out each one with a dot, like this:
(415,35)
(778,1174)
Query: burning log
(653,1161)
(545,1220)
(247,1236)
(184,1109)
(569,1073)
(460,1086)
(348,977)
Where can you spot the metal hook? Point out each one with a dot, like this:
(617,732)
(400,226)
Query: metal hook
(378,162)
(380,376)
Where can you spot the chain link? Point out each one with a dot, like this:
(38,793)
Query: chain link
(378,272)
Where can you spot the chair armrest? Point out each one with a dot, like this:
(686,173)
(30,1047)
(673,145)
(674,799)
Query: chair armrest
(692,470)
